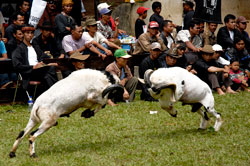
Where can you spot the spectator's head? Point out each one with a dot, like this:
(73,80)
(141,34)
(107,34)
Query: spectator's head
(241,23)
(155,50)
(207,53)
(102,6)
(218,51)
(167,26)
(18,19)
(212,26)
(78,60)
(239,43)
(172,57)
(229,21)
(105,14)
(51,5)
(235,64)
(28,33)
(156,6)
(153,28)
(121,57)
(24,6)
(202,27)
(142,11)
(181,49)
(194,27)
(187,6)
(18,34)
(67,6)
(76,31)
(91,25)
(46,29)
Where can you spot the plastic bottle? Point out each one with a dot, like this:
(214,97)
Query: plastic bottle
(30,103)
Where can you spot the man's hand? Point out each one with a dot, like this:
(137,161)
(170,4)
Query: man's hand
(39,65)
(108,52)
(103,56)
(117,22)
(123,81)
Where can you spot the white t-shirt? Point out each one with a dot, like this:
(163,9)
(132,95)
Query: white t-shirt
(231,33)
(69,44)
(98,37)
(183,35)
(32,56)
(170,41)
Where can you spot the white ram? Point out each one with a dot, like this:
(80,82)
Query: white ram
(84,88)
(170,85)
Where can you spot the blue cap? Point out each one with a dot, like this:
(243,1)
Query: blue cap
(104,11)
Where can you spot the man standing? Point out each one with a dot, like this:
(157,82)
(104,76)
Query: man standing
(47,42)
(189,13)
(209,37)
(121,69)
(156,7)
(150,62)
(145,40)
(18,20)
(241,24)
(227,34)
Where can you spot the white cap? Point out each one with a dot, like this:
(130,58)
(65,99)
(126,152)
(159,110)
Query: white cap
(102,6)
(155,45)
(217,47)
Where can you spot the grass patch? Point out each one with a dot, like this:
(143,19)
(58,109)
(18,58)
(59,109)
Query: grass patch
(129,135)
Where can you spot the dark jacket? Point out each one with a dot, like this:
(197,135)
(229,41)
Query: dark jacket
(21,63)
(51,45)
(165,41)
(10,47)
(223,37)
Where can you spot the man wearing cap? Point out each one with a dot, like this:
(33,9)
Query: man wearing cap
(218,52)
(77,61)
(121,69)
(150,62)
(228,33)
(170,58)
(214,74)
(104,28)
(140,25)
(47,42)
(145,40)
(241,24)
(27,60)
(97,38)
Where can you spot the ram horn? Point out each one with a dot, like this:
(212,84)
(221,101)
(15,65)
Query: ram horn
(114,89)
(158,89)
(147,75)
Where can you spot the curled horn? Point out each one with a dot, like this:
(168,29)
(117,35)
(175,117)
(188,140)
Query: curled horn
(147,75)
(158,89)
(115,89)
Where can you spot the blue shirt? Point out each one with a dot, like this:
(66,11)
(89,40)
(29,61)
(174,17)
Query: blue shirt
(2,48)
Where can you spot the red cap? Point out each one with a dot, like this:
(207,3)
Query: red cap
(141,10)
(153,24)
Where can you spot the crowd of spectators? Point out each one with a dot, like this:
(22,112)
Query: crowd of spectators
(220,59)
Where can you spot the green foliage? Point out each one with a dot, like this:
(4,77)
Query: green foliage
(129,135)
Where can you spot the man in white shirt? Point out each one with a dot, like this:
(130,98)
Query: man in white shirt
(190,37)
(28,61)
(97,38)
(77,43)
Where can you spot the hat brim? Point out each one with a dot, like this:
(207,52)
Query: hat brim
(175,56)
(81,57)
(126,56)
(156,48)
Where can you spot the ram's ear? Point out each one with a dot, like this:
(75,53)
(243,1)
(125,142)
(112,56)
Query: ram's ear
(147,75)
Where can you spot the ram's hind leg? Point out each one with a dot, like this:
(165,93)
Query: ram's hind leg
(41,129)
(204,119)
(218,121)
(31,124)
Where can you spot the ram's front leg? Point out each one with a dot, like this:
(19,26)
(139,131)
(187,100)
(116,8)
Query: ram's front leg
(169,107)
